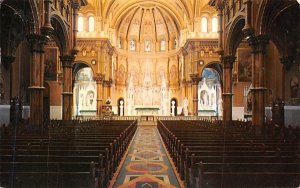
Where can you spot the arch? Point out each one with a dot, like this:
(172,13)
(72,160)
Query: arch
(209,91)
(272,14)
(174,102)
(85,92)
(80,65)
(91,21)
(204,24)
(121,103)
(60,33)
(34,24)
(80,26)
(214,24)
(217,66)
(18,20)
(235,35)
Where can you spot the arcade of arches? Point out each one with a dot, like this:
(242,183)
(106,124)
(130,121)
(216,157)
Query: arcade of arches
(232,58)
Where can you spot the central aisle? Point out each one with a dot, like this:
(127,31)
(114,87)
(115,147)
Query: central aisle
(146,164)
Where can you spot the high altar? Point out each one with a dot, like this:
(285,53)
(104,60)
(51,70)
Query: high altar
(147,98)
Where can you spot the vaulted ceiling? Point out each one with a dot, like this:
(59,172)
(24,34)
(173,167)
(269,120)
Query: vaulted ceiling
(148,20)
(181,11)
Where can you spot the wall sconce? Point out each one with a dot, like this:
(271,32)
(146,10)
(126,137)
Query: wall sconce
(201,62)
(93,62)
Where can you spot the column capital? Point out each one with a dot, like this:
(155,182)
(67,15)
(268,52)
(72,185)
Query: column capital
(75,5)
(67,60)
(195,78)
(8,60)
(218,4)
(228,61)
(286,61)
(258,43)
(99,78)
(37,42)
(107,83)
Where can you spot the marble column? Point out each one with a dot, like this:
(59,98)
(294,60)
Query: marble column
(195,80)
(258,45)
(67,94)
(99,80)
(227,89)
(36,87)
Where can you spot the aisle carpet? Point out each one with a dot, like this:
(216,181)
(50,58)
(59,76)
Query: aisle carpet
(146,164)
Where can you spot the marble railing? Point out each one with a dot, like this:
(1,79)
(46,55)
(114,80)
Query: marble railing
(189,118)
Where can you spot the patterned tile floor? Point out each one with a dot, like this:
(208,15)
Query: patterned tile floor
(147,164)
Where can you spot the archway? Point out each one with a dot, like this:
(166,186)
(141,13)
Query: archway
(209,93)
(173,105)
(121,107)
(85,93)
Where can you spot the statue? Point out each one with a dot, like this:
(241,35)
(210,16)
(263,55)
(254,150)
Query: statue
(185,106)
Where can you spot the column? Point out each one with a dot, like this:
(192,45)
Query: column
(99,80)
(287,63)
(36,87)
(248,17)
(195,80)
(258,45)
(220,30)
(67,94)
(227,89)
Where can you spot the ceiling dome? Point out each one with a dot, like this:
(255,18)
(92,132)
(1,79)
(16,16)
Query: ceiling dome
(148,22)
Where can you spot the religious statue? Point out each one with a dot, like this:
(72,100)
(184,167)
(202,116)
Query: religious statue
(185,106)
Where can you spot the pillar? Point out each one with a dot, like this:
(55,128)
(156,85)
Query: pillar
(36,87)
(220,30)
(67,94)
(287,63)
(99,81)
(248,17)
(258,45)
(227,89)
(195,80)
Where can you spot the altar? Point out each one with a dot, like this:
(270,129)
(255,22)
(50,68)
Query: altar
(146,110)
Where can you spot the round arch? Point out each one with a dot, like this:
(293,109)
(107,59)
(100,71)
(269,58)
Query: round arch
(121,106)
(235,35)
(173,104)
(77,65)
(60,33)
(84,90)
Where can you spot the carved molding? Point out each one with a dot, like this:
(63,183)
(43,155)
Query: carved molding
(228,61)
(258,43)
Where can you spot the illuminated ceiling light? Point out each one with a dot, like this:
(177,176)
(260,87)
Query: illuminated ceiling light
(298,1)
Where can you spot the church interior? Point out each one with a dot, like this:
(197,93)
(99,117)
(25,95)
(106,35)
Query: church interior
(141,93)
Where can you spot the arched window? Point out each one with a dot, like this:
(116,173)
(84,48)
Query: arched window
(204,25)
(120,42)
(214,25)
(91,24)
(132,45)
(80,24)
(162,45)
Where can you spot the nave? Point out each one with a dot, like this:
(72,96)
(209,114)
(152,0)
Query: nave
(126,153)
(147,163)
